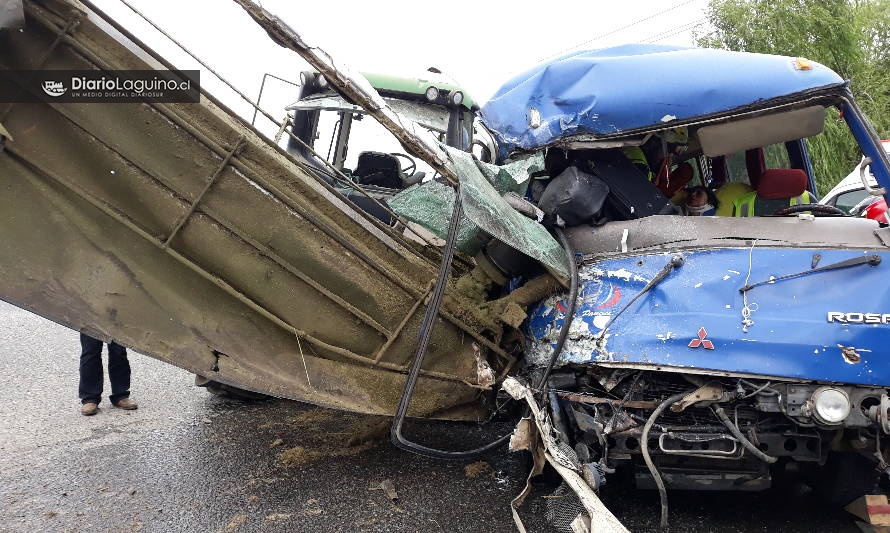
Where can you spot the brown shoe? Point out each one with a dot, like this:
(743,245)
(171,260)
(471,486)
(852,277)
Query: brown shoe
(89,409)
(126,403)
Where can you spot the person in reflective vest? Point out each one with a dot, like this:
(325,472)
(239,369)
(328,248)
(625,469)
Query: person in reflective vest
(635,155)
(777,189)
(668,179)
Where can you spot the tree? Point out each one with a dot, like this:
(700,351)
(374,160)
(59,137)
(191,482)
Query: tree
(852,37)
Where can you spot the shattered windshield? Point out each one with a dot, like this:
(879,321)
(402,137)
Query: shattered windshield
(482,189)
(430,116)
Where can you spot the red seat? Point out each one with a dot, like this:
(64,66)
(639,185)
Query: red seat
(781,183)
(778,188)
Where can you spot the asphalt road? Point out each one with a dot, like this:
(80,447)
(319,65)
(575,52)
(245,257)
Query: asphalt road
(187,460)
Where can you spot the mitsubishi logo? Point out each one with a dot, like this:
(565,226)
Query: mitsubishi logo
(701,340)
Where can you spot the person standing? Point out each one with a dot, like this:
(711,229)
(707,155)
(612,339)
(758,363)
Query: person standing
(91,379)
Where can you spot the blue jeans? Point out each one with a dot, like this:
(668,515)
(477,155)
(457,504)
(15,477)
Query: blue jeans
(90,389)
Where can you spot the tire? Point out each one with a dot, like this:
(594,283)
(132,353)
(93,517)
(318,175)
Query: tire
(228,391)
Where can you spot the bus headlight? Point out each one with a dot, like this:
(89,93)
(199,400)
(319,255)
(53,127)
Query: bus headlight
(830,405)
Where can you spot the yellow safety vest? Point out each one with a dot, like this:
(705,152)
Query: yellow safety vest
(636,156)
(743,206)
(728,194)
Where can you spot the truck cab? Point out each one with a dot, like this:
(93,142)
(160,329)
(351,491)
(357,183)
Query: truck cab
(348,146)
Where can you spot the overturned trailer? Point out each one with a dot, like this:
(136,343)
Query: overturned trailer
(700,352)
(179,230)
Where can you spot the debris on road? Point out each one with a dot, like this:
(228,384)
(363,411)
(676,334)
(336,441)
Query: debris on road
(312,508)
(298,456)
(474,470)
(874,509)
(388,488)
(235,523)
(277,517)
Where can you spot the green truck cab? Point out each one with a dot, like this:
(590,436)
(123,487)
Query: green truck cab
(331,132)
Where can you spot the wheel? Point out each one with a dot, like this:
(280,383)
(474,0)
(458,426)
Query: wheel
(845,477)
(227,391)
(816,209)
(412,165)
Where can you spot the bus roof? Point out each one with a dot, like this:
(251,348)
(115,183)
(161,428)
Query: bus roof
(613,90)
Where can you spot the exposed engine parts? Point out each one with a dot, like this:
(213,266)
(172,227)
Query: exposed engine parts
(608,408)
(879,412)
(675,431)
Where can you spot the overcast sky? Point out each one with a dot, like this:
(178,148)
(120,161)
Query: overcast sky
(479,44)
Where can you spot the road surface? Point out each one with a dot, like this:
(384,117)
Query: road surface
(187,460)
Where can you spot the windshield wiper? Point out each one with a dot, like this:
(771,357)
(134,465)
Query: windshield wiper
(675,262)
(871,259)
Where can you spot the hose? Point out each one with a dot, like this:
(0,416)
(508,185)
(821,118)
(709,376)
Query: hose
(426,328)
(425,333)
(736,432)
(644,447)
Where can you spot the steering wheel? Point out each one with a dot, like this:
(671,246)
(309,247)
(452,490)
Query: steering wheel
(412,165)
(817,210)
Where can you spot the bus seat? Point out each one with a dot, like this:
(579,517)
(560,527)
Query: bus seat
(778,188)
(727,194)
